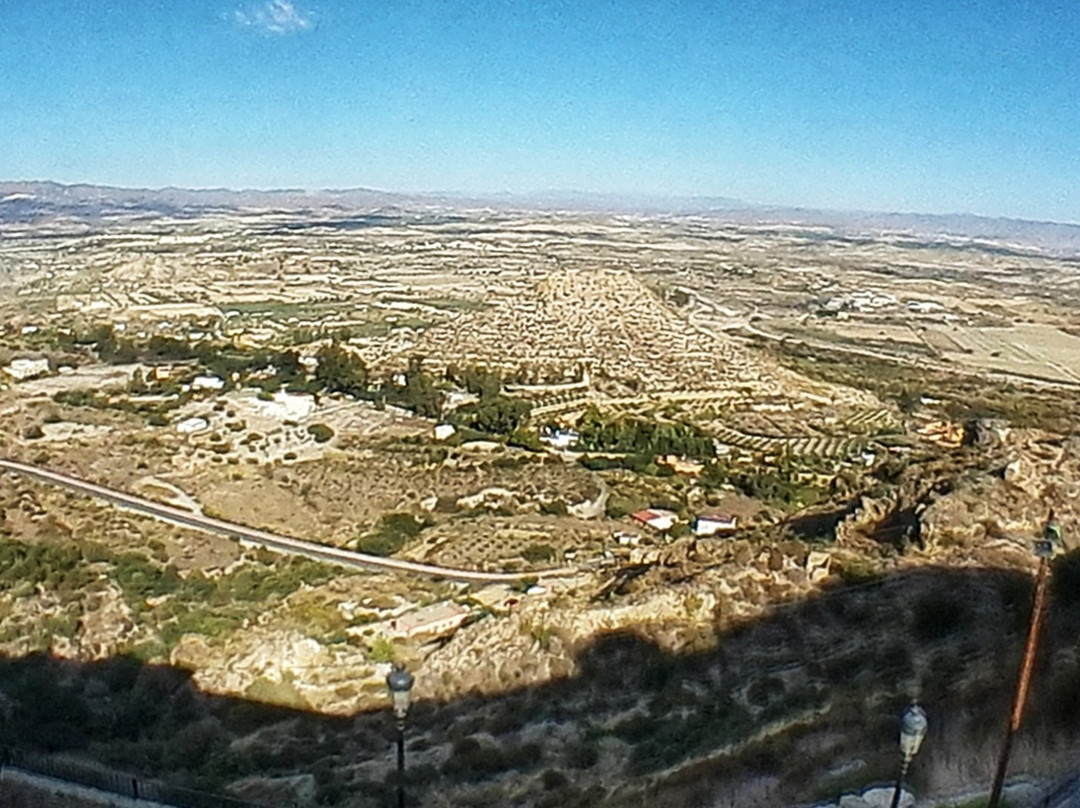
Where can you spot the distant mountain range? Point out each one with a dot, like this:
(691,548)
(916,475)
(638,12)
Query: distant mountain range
(41,201)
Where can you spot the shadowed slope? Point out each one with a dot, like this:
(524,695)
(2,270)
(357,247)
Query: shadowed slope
(790,708)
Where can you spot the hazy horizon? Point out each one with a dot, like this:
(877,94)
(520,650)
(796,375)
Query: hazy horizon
(631,203)
(909,107)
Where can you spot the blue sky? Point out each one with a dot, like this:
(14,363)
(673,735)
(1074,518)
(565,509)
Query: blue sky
(943,106)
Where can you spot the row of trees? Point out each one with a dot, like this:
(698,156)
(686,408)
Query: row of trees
(640,436)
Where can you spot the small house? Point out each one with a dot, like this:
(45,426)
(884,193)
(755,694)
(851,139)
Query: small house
(444,431)
(657,518)
(681,465)
(712,524)
(24,369)
(207,383)
(435,620)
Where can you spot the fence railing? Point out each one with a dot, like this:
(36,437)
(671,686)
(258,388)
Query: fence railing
(122,784)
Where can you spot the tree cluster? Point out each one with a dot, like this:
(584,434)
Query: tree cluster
(495,413)
(639,436)
(419,393)
(342,371)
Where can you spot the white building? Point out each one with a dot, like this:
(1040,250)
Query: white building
(207,383)
(560,438)
(712,524)
(191,425)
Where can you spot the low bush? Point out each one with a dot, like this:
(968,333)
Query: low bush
(556,507)
(393,532)
(538,553)
(320,432)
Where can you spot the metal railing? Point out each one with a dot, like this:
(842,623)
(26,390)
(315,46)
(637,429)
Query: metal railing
(123,784)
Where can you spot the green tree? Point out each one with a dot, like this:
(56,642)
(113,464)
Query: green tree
(342,371)
(496,415)
(420,394)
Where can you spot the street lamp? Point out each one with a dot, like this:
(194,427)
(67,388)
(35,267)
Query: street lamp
(912,731)
(399,682)
(1044,551)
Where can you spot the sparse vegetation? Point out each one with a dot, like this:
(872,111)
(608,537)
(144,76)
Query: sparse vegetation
(393,532)
(538,553)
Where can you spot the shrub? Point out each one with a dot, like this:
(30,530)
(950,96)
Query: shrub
(497,415)
(552,779)
(765,690)
(1065,583)
(393,532)
(556,507)
(618,507)
(537,553)
(341,371)
(472,761)
(582,755)
(382,650)
(320,432)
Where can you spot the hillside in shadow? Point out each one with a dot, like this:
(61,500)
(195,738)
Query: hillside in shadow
(794,707)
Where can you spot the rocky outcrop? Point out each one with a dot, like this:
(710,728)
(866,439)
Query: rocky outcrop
(1010,502)
(282,667)
(860,526)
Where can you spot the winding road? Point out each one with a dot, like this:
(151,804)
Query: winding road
(272,541)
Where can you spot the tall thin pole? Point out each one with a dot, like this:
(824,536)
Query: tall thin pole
(401,763)
(1024,682)
(900,783)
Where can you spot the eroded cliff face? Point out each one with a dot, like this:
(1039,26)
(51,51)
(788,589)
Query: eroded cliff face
(984,503)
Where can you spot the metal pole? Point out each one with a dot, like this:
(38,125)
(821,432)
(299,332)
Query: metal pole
(1023,683)
(401,763)
(900,783)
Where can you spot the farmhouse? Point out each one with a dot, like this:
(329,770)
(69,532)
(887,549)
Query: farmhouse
(657,518)
(434,620)
(712,524)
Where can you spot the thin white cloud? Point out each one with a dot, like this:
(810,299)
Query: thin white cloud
(278,17)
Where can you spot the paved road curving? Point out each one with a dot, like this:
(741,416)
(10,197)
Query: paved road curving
(272,541)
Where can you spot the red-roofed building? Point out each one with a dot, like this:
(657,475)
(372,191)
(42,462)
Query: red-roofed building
(656,518)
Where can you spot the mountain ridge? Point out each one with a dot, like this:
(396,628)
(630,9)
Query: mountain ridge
(35,200)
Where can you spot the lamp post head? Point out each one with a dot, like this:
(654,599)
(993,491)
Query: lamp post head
(399,682)
(913,726)
(1051,538)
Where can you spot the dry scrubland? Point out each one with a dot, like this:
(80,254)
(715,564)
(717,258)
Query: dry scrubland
(890,419)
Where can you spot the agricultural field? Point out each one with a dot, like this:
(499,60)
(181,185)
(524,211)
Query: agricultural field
(881,423)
